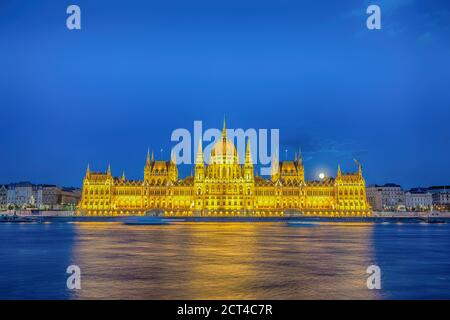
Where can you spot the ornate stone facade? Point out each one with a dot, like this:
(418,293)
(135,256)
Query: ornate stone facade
(224,188)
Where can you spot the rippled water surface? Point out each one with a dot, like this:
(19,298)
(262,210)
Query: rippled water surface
(224,260)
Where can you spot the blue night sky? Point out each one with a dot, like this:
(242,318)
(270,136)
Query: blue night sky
(139,69)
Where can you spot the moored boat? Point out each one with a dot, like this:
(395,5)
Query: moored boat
(304,224)
(15,218)
(145,221)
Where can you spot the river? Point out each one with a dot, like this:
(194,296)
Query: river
(224,260)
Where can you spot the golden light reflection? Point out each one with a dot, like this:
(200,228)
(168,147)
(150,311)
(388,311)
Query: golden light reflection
(224,260)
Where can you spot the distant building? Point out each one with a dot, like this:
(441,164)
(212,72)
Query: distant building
(24,194)
(388,197)
(55,197)
(441,197)
(50,195)
(42,196)
(3,196)
(69,196)
(418,199)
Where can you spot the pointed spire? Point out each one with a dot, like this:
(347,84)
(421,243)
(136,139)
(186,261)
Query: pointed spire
(224,129)
(173,157)
(153,156)
(123,175)
(359,166)
(275,164)
(299,157)
(248,154)
(109,169)
(339,170)
(88,170)
(199,160)
(148,156)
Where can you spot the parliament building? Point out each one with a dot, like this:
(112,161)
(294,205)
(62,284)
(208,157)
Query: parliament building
(224,187)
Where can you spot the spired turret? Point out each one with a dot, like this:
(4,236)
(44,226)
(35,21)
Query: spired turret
(173,169)
(351,190)
(199,163)
(96,193)
(275,168)
(300,168)
(249,180)
(288,171)
(249,173)
(148,161)
(148,166)
(160,172)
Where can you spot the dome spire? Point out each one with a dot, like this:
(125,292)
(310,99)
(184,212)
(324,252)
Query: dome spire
(224,129)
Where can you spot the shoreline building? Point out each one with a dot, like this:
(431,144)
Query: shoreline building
(26,195)
(58,198)
(3,196)
(441,197)
(418,199)
(224,187)
(388,197)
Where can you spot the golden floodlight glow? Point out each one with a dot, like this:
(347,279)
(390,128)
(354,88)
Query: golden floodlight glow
(224,187)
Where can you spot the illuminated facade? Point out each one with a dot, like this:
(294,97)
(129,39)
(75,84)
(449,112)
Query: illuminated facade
(224,187)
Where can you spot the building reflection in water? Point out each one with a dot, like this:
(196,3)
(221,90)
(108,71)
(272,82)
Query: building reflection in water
(224,260)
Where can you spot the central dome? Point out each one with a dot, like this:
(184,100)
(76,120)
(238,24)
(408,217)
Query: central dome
(224,147)
(224,151)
